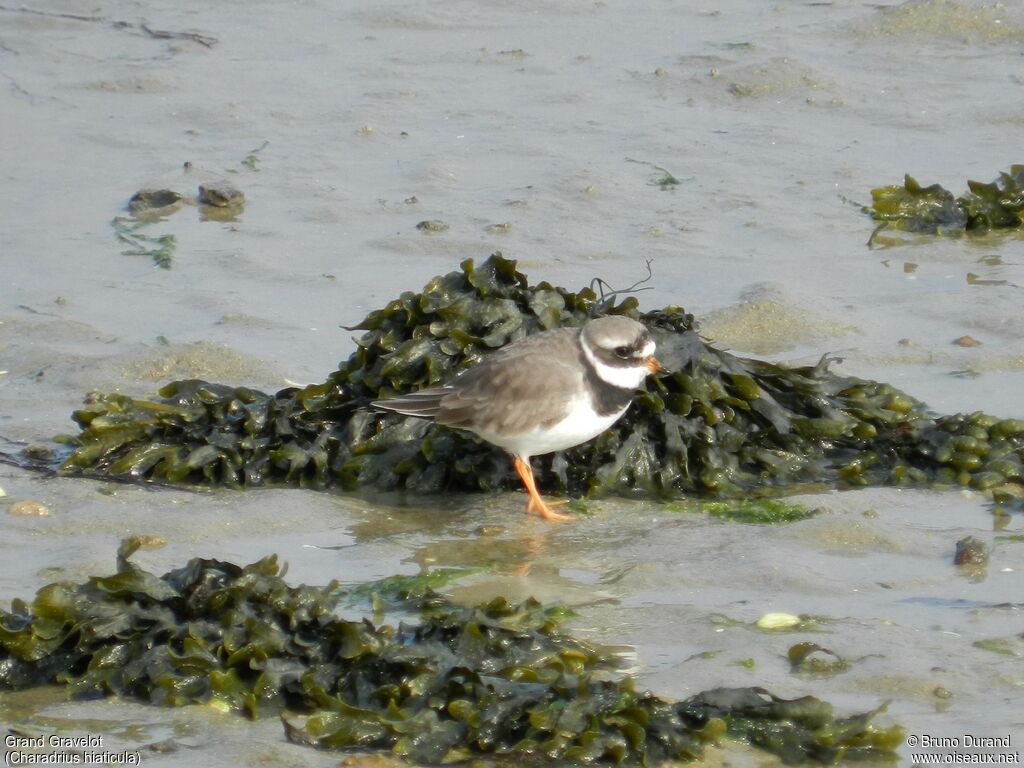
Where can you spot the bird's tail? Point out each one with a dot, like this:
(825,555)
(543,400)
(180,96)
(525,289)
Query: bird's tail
(425,404)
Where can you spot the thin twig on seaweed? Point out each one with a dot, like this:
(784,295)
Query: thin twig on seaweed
(598,285)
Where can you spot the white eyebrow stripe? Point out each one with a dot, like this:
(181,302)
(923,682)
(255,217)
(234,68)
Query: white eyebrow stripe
(625,378)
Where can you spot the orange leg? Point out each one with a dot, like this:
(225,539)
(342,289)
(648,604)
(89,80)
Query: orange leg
(536,503)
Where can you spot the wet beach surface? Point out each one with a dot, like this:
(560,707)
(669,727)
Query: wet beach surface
(543,132)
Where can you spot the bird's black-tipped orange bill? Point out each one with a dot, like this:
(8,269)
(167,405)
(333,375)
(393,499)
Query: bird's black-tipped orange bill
(653,365)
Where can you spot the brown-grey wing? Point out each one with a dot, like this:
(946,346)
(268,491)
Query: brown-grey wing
(511,390)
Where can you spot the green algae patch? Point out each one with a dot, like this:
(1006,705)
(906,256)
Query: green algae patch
(813,660)
(751,511)
(129,232)
(495,679)
(1001,645)
(933,210)
(712,424)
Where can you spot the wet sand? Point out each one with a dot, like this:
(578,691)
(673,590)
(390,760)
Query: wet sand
(346,126)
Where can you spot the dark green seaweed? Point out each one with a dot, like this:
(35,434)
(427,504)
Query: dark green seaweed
(712,424)
(494,679)
(934,210)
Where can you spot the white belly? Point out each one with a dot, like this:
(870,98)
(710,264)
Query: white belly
(582,424)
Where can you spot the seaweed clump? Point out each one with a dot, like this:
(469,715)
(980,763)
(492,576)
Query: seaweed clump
(934,210)
(494,679)
(712,424)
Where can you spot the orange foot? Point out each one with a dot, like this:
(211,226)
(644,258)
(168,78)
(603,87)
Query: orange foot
(535,504)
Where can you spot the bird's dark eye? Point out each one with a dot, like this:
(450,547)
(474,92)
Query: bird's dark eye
(622,352)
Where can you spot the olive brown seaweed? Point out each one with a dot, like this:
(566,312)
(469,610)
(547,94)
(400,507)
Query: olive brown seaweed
(713,423)
(934,210)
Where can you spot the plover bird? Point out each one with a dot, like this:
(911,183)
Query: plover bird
(547,392)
